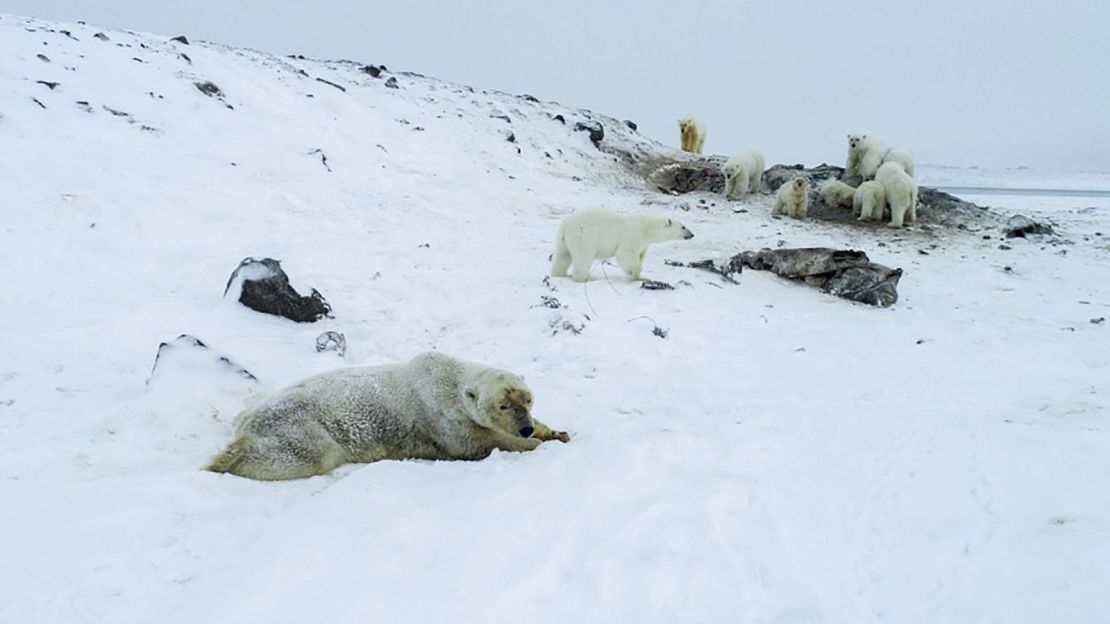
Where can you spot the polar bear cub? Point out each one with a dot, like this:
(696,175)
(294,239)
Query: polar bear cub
(743,174)
(901,193)
(858,145)
(598,234)
(869,201)
(837,193)
(792,198)
(692,134)
(901,156)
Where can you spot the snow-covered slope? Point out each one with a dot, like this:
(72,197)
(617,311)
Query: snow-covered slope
(781,456)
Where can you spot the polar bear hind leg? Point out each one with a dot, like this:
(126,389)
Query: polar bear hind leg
(280,458)
(561,261)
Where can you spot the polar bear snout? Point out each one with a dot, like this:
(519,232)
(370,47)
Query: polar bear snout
(686,233)
(526,431)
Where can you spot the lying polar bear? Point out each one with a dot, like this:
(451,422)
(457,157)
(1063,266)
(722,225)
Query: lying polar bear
(597,234)
(432,407)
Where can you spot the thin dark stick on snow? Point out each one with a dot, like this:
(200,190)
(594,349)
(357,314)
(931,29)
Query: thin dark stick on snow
(607,281)
(705,265)
(656,329)
(586,290)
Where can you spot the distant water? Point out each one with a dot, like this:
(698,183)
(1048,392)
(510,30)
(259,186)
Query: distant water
(1031,192)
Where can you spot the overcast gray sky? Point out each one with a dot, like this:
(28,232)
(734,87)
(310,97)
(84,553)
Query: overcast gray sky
(994,83)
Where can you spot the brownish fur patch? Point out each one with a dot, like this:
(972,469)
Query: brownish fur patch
(518,398)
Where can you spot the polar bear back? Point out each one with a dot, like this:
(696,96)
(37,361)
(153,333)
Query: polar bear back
(604,232)
(375,412)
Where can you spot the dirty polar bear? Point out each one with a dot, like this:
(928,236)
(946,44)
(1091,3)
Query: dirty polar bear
(432,407)
(598,234)
(691,133)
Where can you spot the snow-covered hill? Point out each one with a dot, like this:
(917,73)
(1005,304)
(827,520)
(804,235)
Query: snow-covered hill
(780,456)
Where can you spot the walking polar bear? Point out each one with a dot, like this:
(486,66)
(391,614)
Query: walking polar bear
(432,407)
(743,174)
(900,191)
(598,234)
(692,134)
(792,199)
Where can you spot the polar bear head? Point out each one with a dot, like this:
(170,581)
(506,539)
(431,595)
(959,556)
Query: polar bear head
(798,185)
(501,401)
(856,141)
(731,169)
(669,229)
(685,124)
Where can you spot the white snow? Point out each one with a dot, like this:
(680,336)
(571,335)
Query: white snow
(782,456)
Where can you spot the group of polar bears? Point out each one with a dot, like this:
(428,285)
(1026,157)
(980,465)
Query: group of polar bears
(887,180)
(439,407)
(885,173)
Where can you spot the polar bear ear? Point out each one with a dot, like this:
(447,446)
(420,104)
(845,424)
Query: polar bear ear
(670,223)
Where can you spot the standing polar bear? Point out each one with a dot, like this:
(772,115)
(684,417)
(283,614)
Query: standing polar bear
(858,146)
(869,201)
(743,174)
(900,191)
(792,199)
(432,407)
(598,234)
(692,134)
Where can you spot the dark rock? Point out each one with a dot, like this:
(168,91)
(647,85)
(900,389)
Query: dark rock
(375,72)
(186,57)
(332,341)
(844,273)
(655,285)
(265,288)
(510,137)
(1021,226)
(392,83)
(43,58)
(631,125)
(185,345)
(36,101)
(504,118)
(596,130)
(528,98)
(560,119)
(181,39)
(101,36)
(48,84)
(208,88)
